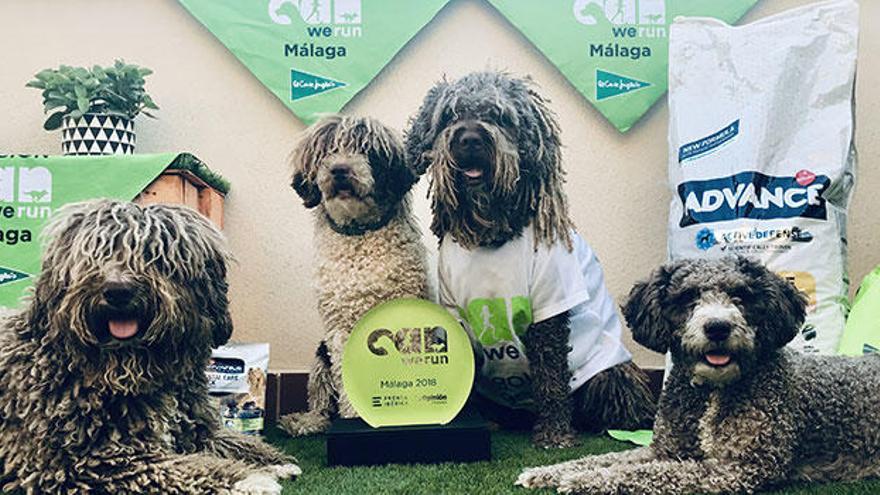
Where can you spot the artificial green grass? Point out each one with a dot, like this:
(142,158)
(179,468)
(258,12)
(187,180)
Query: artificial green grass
(511,452)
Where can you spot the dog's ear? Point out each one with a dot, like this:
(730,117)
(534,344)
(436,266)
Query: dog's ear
(216,305)
(644,310)
(58,237)
(314,145)
(215,300)
(207,245)
(306,189)
(387,157)
(543,132)
(392,177)
(783,306)
(424,128)
(541,165)
(221,318)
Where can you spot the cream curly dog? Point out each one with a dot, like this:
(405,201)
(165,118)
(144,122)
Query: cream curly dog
(739,414)
(351,170)
(102,373)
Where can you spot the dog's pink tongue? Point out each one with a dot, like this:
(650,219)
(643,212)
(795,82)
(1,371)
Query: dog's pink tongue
(123,329)
(474,173)
(718,359)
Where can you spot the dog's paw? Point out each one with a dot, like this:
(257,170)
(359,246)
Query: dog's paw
(265,481)
(302,424)
(285,471)
(545,438)
(258,483)
(537,477)
(346,410)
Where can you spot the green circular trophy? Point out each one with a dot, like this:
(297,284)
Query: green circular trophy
(408,362)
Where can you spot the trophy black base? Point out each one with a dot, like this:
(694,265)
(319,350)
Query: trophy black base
(352,442)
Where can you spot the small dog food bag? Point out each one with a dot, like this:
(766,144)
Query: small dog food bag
(237,383)
(761,155)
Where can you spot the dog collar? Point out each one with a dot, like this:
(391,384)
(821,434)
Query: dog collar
(361,228)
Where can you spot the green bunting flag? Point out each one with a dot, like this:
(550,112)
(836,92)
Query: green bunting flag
(314,55)
(613,51)
(32,188)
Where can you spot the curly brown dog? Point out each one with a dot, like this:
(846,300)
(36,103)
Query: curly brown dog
(739,414)
(102,373)
(352,172)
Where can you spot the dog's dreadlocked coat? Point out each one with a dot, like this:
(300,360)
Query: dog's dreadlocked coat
(511,265)
(102,372)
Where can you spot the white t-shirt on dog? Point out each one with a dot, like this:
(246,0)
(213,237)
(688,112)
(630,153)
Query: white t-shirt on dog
(499,292)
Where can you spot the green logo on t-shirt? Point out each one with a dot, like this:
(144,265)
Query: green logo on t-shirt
(489,318)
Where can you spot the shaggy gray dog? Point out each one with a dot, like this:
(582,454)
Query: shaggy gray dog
(491,147)
(352,171)
(102,373)
(739,414)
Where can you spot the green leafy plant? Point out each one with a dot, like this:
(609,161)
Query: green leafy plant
(76,91)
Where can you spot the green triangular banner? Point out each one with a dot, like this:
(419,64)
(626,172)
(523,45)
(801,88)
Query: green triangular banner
(314,55)
(614,52)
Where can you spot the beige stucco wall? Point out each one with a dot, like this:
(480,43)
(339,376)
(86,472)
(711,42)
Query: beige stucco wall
(212,106)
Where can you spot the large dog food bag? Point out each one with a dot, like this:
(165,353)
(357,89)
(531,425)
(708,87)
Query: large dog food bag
(237,383)
(761,157)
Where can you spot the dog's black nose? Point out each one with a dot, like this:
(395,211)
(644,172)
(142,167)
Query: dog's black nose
(470,139)
(340,171)
(717,330)
(119,293)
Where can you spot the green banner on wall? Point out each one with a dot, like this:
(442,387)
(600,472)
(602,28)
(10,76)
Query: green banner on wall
(314,55)
(614,52)
(32,188)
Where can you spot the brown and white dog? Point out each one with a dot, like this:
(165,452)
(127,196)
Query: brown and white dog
(739,413)
(352,172)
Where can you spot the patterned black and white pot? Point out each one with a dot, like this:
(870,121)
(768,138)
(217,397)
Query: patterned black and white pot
(97,134)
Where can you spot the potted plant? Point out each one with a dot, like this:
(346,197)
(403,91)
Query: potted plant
(95,108)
